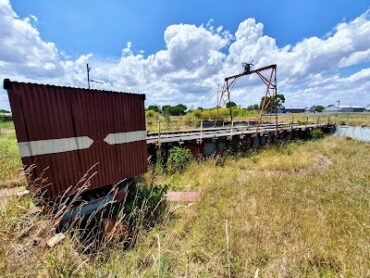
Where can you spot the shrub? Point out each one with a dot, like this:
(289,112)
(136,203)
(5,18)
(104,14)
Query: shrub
(190,119)
(151,114)
(316,134)
(197,113)
(144,206)
(178,159)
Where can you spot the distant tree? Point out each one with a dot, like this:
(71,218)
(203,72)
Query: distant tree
(231,104)
(273,103)
(200,108)
(154,108)
(176,110)
(166,109)
(182,107)
(319,108)
(179,110)
(253,107)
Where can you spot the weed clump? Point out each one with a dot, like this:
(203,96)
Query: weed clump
(147,203)
(178,159)
(316,134)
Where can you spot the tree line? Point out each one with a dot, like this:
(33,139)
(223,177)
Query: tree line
(271,104)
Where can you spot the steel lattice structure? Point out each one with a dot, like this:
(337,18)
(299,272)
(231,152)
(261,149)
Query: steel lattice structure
(269,81)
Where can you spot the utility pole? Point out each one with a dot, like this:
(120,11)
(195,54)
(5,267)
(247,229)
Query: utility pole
(88,75)
(88,69)
(338,103)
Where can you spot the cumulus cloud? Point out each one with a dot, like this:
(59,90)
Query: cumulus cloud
(355,58)
(196,59)
(22,51)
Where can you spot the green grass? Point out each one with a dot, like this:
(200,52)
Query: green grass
(362,118)
(301,210)
(10,164)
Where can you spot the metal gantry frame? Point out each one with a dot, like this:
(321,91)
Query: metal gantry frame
(271,89)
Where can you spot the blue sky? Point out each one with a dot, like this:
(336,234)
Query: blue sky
(181,51)
(104,27)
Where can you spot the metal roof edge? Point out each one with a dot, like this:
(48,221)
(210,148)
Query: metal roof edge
(7,84)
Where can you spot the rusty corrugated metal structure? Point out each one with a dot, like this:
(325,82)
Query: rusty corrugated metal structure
(65,132)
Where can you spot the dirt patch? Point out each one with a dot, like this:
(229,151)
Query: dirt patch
(322,162)
(7,193)
(12,183)
(11,191)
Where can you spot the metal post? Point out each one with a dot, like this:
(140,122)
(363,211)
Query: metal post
(88,75)
(159,153)
(201,129)
(276,109)
(336,116)
(292,122)
(159,129)
(306,122)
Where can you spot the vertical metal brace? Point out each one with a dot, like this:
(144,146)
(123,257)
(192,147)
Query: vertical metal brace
(159,130)
(292,123)
(201,129)
(306,122)
(231,130)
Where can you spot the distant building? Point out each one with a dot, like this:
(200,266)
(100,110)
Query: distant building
(294,110)
(2,111)
(345,109)
(312,109)
(5,115)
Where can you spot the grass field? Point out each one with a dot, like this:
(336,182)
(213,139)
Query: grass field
(299,210)
(10,164)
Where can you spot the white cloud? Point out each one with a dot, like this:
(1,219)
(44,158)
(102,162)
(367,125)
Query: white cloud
(355,58)
(196,59)
(22,51)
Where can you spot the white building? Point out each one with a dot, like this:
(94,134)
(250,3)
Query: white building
(345,109)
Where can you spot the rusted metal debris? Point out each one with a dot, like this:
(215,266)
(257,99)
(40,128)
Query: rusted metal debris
(114,229)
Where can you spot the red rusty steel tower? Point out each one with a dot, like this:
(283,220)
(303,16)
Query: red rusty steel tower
(269,81)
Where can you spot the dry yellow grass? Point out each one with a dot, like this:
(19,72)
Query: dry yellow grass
(301,210)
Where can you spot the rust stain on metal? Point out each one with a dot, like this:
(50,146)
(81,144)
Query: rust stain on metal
(65,132)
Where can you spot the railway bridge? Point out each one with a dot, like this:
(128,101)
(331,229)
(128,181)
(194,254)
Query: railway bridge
(215,140)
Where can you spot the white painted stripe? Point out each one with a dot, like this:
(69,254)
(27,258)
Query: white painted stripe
(50,146)
(125,137)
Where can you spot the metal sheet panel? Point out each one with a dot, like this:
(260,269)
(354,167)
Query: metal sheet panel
(66,131)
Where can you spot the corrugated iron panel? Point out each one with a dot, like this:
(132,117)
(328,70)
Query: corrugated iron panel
(43,113)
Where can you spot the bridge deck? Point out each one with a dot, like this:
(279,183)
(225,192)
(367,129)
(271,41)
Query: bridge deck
(214,133)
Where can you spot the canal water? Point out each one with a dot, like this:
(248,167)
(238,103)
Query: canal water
(354,132)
